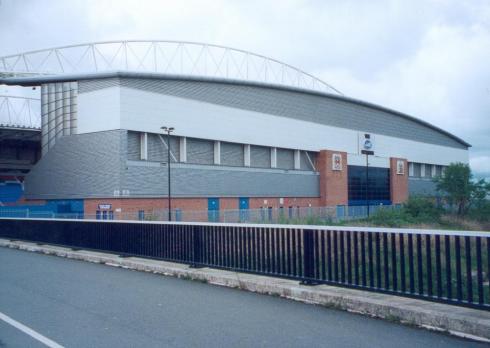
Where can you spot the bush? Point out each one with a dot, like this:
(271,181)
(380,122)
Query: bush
(416,210)
(481,211)
(391,218)
(422,209)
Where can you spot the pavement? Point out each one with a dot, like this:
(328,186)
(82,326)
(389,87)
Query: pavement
(82,304)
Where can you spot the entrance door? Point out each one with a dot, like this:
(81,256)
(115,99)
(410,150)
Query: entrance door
(104,215)
(243,205)
(213,209)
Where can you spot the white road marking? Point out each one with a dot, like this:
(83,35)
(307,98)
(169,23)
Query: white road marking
(37,336)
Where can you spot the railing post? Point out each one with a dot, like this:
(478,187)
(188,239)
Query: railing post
(308,258)
(196,248)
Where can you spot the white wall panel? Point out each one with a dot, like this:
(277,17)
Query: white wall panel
(147,112)
(99,110)
(374,161)
(419,152)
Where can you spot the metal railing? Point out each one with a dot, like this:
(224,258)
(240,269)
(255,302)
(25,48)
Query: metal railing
(444,266)
(284,215)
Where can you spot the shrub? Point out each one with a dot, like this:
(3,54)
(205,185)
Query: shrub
(422,209)
(391,218)
(480,211)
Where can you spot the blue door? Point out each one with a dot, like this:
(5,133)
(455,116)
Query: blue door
(213,209)
(243,206)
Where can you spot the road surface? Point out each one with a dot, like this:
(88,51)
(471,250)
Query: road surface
(79,304)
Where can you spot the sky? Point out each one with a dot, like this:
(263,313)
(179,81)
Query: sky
(426,58)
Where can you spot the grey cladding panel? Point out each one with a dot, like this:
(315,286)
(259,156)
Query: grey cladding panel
(85,86)
(200,151)
(231,154)
(191,181)
(95,165)
(260,156)
(134,151)
(285,159)
(313,108)
(79,166)
(421,187)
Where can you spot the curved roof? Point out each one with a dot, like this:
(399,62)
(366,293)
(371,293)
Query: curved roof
(173,60)
(20,112)
(294,106)
(160,56)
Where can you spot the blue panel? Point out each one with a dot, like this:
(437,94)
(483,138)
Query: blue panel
(213,209)
(53,208)
(213,203)
(10,192)
(178,214)
(243,202)
(243,205)
(340,211)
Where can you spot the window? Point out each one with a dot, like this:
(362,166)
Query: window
(200,151)
(260,156)
(428,171)
(379,185)
(141,215)
(232,154)
(285,159)
(417,170)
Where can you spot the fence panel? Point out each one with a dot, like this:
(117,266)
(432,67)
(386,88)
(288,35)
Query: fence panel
(445,266)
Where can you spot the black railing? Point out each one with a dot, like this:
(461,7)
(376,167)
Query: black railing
(445,266)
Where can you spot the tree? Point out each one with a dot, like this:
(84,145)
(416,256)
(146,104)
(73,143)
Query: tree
(459,188)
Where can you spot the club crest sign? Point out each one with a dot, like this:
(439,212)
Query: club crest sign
(400,167)
(336,161)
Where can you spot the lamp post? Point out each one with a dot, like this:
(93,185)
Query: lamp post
(168,130)
(367,153)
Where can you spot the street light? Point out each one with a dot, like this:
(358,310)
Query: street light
(368,145)
(168,130)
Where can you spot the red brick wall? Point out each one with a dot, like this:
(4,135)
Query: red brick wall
(256,202)
(133,205)
(398,182)
(333,183)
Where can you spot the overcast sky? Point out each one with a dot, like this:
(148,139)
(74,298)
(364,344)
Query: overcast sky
(427,58)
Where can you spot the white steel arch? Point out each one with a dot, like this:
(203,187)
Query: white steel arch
(159,56)
(20,112)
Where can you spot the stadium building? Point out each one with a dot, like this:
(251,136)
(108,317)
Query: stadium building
(240,141)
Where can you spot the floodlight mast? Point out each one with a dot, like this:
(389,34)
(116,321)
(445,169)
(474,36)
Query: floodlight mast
(168,130)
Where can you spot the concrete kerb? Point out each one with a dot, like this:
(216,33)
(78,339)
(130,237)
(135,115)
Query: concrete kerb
(459,321)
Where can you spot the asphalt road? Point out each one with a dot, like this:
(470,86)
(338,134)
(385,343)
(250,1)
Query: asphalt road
(79,304)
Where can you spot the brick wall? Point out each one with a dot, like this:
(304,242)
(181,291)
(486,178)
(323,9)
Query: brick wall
(133,205)
(256,203)
(398,182)
(333,183)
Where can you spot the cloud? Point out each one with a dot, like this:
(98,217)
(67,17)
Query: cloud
(481,166)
